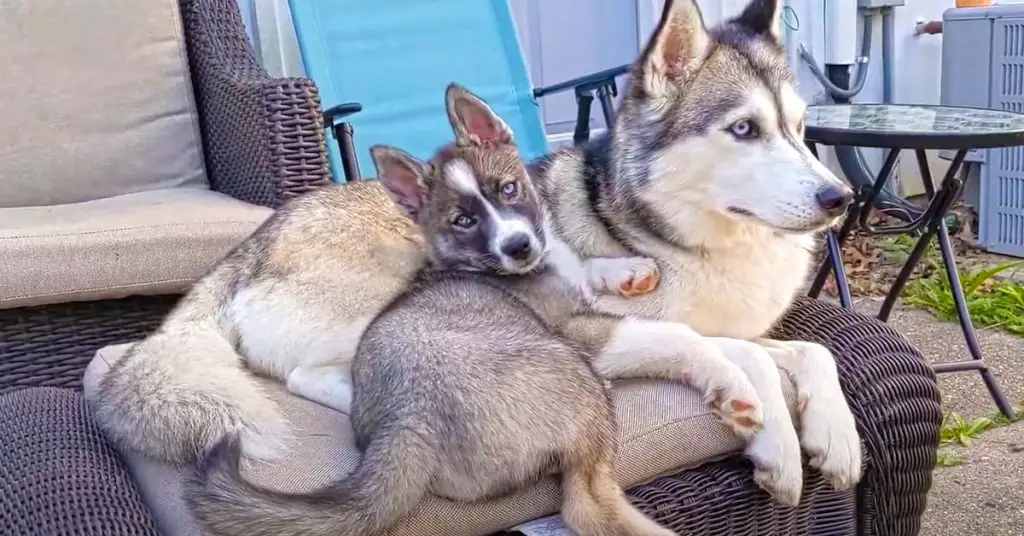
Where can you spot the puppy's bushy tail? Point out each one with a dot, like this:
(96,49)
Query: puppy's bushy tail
(175,394)
(390,480)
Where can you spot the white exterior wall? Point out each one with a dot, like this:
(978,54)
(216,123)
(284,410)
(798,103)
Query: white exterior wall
(916,66)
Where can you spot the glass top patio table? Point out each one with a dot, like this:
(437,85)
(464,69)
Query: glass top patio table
(913,126)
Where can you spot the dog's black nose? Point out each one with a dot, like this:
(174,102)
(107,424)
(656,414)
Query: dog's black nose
(517,246)
(834,199)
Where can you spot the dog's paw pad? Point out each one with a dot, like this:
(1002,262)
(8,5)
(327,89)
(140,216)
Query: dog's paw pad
(626,276)
(739,405)
(641,280)
(743,417)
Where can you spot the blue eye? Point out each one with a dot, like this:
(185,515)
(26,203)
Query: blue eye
(744,129)
(509,189)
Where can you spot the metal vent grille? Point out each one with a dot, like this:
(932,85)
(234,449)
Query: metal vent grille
(1009,233)
(1001,213)
(1013,40)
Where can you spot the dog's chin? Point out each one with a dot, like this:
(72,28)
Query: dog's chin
(514,267)
(809,227)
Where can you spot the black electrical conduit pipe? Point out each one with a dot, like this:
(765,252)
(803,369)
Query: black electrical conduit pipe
(836,81)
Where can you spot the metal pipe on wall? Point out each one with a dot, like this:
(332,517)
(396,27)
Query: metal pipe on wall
(888,53)
(836,81)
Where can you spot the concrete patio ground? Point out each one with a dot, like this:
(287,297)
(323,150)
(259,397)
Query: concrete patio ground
(984,496)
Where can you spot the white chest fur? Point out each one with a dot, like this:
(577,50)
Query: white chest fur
(737,292)
(566,262)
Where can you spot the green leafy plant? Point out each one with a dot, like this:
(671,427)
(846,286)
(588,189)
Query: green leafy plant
(896,249)
(948,458)
(956,429)
(1000,420)
(991,302)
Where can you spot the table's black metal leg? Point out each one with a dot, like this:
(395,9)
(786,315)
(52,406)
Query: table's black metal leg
(834,242)
(904,275)
(942,201)
(976,362)
(951,190)
(835,253)
(871,194)
(834,262)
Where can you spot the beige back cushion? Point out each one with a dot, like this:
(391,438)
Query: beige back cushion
(95,101)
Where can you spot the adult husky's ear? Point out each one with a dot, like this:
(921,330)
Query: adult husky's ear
(473,120)
(761,16)
(676,48)
(401,174)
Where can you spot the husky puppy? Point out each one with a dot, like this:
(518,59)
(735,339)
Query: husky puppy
(484,375)
(705,171)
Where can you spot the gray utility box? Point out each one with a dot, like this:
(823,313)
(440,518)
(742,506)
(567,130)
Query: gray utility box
(983,67)
(875,4)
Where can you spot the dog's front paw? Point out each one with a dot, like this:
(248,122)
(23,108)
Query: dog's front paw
(778,465)
(734,399)
(829,436)
(624,276)
(828,430)
(728,388)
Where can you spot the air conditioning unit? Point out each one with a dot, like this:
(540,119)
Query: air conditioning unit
(983,67)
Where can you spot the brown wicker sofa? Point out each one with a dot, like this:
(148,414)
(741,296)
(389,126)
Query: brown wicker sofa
(262,143)
(262,138)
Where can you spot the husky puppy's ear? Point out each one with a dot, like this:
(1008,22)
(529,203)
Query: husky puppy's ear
(762,17)
(401,174)
(473,120)
(676,48)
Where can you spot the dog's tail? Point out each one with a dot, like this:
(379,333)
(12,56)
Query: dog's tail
(176,393)
(390,480)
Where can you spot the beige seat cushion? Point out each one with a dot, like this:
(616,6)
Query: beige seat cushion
(154,242)
(95,101)
(663,427)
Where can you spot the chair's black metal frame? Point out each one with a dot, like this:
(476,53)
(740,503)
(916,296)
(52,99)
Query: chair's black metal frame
(602,83)
(344,134)
(926,223)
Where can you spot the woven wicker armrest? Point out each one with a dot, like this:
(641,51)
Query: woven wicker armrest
(894,396)
(263,136)
(58,475)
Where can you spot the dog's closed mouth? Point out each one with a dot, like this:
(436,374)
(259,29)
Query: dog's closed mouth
(748,214)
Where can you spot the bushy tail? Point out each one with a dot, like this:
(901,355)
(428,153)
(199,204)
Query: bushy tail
(176,394)
(391,480)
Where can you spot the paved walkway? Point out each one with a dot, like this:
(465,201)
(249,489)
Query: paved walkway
(985,495)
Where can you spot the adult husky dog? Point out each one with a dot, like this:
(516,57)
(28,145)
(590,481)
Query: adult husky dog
(292,302)
(481,377)
(705,171)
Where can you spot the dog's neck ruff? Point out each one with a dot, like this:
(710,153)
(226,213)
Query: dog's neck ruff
(599,179)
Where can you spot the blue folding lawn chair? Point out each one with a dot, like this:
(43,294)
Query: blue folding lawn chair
(382,67)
